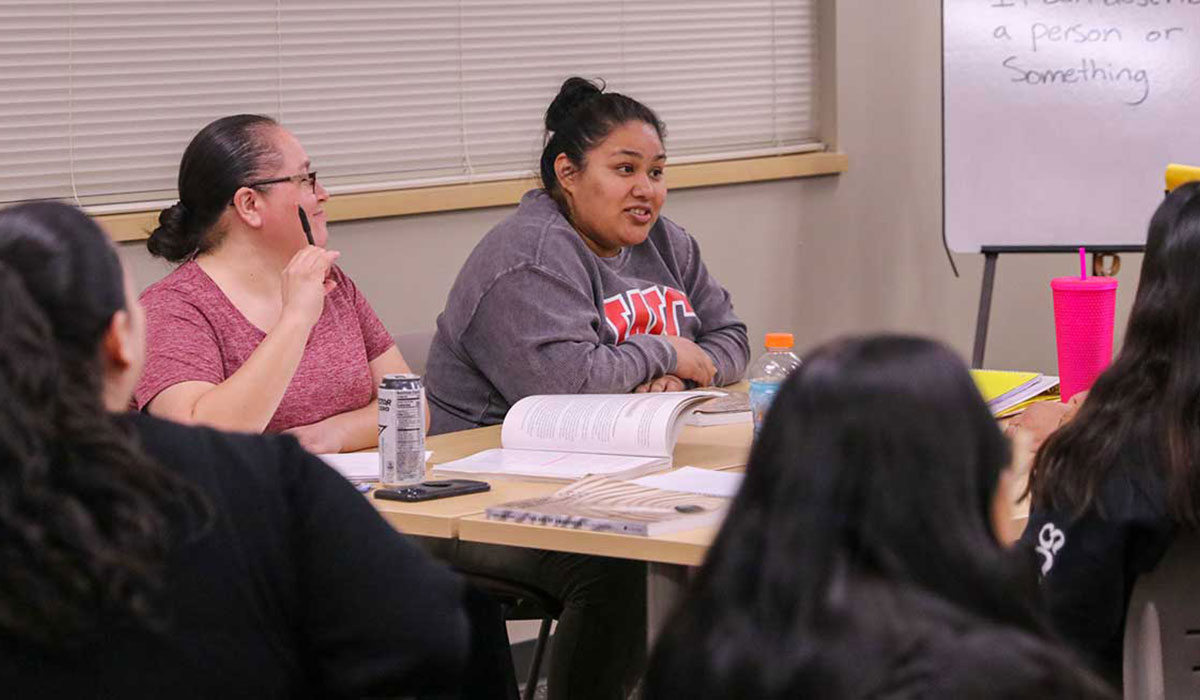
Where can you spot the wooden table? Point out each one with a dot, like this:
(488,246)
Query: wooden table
(714,447)
(668,556)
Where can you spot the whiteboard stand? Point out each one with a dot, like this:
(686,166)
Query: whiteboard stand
(991,255)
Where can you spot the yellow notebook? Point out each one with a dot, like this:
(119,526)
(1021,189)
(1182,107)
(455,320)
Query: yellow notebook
(1008,393)
(994,383)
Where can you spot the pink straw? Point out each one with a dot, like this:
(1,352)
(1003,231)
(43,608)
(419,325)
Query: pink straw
(1082,264)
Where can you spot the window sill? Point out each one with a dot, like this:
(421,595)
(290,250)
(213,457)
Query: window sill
(133,226)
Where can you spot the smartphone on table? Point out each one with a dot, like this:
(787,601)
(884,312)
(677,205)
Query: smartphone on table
(430,490)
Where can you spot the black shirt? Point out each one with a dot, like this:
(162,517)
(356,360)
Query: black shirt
(299,589)
(881,640)
(1090,563)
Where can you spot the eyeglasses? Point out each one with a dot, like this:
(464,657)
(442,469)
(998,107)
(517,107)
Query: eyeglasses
(309,177)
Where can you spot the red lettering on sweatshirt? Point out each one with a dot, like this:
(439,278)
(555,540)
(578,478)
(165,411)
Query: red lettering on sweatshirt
(655,310)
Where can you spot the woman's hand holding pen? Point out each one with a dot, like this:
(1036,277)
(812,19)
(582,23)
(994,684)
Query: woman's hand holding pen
(305,284)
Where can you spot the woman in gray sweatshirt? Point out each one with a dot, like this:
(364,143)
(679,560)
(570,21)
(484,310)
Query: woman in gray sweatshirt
(584,289)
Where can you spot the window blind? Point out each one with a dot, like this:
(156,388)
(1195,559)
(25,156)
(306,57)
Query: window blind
(102,96)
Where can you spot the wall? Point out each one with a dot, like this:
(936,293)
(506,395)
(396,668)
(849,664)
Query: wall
(821,256)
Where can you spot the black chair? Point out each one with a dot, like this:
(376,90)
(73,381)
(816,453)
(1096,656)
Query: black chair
(521,602)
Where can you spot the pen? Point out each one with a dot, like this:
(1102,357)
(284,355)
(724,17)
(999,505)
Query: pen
(307,229)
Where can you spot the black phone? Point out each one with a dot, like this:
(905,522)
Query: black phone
(429,490)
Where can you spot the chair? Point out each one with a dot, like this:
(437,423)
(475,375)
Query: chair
(414,346)
(521,602)
(1162,628)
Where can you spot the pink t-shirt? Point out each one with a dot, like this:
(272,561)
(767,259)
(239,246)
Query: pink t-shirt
(195,333)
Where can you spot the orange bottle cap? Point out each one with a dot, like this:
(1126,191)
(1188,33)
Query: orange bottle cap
(780,341)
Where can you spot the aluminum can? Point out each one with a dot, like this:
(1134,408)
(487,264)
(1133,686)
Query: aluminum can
(401,429)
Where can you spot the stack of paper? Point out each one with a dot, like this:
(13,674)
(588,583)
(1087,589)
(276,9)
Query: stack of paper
(358,466)
(1008,393)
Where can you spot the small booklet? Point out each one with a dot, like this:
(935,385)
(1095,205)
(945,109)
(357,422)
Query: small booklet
(607,505)
(568,437)
(733,407)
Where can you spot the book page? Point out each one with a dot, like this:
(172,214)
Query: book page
(544,465)
(626,424)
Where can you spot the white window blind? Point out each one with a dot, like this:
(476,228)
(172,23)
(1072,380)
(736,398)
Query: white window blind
(100,97)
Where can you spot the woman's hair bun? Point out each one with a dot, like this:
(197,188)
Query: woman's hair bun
(574,92)
(172,240)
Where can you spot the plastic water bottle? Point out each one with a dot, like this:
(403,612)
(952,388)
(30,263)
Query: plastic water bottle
(768,372)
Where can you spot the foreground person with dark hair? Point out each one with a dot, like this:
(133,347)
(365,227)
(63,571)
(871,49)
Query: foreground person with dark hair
(1113,487)
(140,558)
(860,558)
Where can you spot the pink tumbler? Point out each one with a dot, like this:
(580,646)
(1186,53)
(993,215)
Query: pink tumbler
(1083,328)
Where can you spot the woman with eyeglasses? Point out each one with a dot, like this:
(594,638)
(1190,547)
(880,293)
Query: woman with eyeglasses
(257,329)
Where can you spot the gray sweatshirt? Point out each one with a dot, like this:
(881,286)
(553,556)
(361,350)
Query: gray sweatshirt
(535,311)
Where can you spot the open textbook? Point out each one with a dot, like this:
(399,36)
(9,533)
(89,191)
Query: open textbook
(568,437)
(608,505)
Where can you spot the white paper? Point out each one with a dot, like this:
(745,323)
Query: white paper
(358,466)
(708,482)
(541,464)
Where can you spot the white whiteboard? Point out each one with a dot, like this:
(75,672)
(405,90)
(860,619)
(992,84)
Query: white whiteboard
(1061,116)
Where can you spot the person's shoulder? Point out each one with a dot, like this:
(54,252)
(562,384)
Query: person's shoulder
(346,289)
(535,234)
(186,285)
(534,240)
(212,457)
(992,661)
(187,278)
(672,241)
(938,649)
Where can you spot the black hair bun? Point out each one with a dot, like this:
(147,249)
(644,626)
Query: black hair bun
(573,93)
(172,239)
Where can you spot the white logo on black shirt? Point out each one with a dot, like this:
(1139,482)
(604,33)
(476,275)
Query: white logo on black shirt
(1050,540)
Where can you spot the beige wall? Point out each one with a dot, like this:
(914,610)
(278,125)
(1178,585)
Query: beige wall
(820,257)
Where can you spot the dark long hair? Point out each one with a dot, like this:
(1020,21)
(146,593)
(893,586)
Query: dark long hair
(580,117)
(86,518)
(222,157)
(874,474)
(1150,396)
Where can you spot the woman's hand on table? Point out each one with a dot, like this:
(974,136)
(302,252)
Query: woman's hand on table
(691,361)
(322,437)
(667,382)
